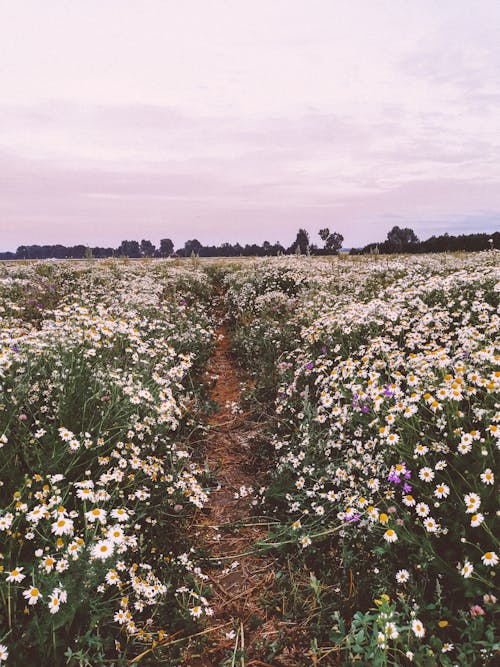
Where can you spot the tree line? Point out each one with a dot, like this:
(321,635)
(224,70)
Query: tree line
(399,240)
(404,240)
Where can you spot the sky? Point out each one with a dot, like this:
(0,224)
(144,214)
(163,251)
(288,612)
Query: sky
(243,120)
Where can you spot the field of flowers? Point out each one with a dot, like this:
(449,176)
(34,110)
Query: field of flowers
(379,377)
(385,376)
(98,401)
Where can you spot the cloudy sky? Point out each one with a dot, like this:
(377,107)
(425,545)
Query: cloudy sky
(245,119)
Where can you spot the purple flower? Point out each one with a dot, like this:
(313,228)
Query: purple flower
(309,366)
(394,477)
(323,349)
(14,348)
(354,518)
(365,408)
(407,488)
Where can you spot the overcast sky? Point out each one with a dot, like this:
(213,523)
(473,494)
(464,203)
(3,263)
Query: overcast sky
(244,120)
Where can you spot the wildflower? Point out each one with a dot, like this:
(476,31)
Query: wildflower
(115,534)
(489,599)
(467,570)
(442,491)
(32,595)
(426,474)
(476,610)
(430,525)
(472,502)
(476,520)
(120,514)
(422,509)
(62,527)
(447,647)
(196,611)
(390,535)
(305,541)
(122,616)
(102,550)
(96,514)
(418,628)
(55,602)
(16,575)
(487,476)
(391,631)
(490,558)
(65,435)
(48,563)
(402,576)
(4,654)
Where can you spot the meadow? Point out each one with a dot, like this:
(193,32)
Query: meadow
(375,381)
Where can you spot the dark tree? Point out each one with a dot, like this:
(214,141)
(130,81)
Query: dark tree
(400,240)
(147,248)
(166,247)
(129,249)
(333,241)
(301,243)
(324,234)
(192,246)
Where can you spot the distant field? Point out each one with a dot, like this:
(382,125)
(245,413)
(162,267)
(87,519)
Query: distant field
(363,393)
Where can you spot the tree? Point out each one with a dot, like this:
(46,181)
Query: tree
(301,243)
(129,249)
(399,240)
(147,248)
(192,247)
(333,241)
(166,247)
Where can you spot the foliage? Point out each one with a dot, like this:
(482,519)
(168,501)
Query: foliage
(386,440)
(99,400)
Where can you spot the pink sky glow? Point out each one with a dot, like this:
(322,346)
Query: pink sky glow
(231,120)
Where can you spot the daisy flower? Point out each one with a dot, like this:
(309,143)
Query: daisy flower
(120,514)
(16,575)
(102,550)
(54,603)
(490,558)
(390,535)
(62,527)
(422,509)
(426,474)
(96,514)
(472,502)
(487,476)
(196,611)
(402,576)
(442,491)
(32,595)
(467,570)
(418,628)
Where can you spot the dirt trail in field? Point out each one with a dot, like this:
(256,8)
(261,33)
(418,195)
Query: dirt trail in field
(227,529)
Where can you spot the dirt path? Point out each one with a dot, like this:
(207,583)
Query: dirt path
(227,528)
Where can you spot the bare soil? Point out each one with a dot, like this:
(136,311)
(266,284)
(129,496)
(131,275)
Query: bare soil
(242,581)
